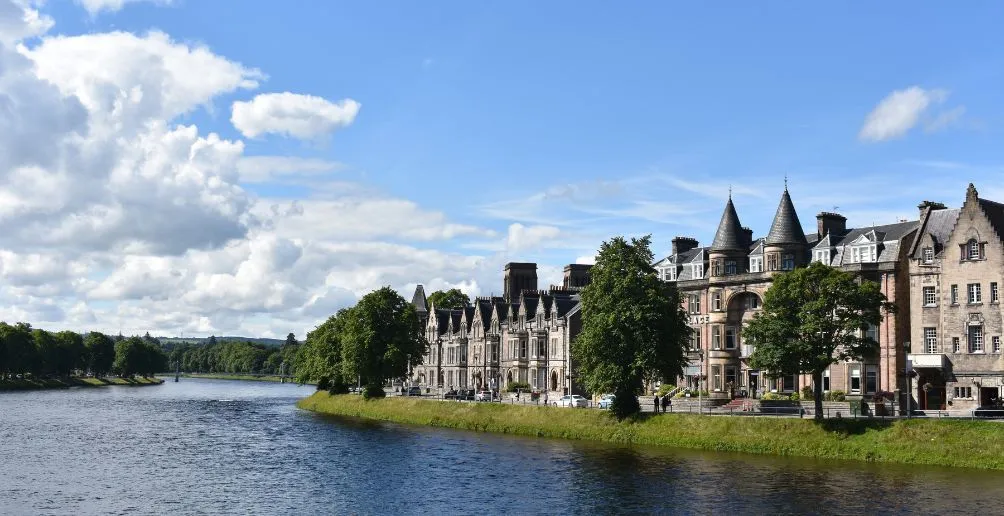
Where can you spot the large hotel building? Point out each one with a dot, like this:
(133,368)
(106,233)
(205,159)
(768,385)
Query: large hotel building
(943,271)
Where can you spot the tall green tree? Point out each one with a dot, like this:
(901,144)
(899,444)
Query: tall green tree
(22,356)
(100,353)
(381,339)
(72,355)
(453,298)
(290,340)
(634,328)
(320,357)
(814,317)
(47,349)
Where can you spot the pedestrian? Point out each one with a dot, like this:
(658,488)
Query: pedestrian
(655,400)
(665,403)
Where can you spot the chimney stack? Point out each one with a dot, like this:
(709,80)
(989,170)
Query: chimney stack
(828,223)
(926,206)
(683,244)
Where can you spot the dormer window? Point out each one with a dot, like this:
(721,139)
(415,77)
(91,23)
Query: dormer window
(698,270)
(788,262)
(756,264)
(863,253)
(730,267)
(927,255)
(822,257)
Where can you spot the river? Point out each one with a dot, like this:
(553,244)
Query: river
(229,447)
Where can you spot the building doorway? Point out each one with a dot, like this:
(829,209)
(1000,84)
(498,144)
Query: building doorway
(754,383)
(554,380)
(989,397)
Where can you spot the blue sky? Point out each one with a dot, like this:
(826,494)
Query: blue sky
(577,120)
(466,104)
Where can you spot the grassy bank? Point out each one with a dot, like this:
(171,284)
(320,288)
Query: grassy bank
(223,376)
(958,443)
(66,383)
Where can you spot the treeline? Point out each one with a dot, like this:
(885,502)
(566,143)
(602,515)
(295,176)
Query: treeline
(35,352)
(372,342)
(235,357)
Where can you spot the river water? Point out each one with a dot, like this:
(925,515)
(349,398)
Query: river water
(227,447)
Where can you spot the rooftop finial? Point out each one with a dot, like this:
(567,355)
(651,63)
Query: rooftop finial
(730,191)
(786,182)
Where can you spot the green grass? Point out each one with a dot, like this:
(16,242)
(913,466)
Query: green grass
(957,443)
(73,381)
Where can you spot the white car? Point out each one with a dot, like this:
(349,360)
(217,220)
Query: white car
(606,400)
(571,401)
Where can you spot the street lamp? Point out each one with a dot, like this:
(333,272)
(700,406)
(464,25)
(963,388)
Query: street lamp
(700,376)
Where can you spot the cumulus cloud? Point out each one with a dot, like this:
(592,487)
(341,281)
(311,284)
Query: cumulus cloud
(902,110)
(97,6)
(260,169)
(521,237)
(299,116)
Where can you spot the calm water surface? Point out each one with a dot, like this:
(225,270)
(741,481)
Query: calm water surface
(226,447)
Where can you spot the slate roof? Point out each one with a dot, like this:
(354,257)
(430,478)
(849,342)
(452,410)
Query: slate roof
(729,236)
(442,320)
(995,214)
(889,235)
(469,317)
(419,302)
(562,305)
(455,317)
(786,228)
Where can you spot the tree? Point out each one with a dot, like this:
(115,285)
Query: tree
(634,328)
(814,317)
(22,356)
(100,353)
(71,353)
(319,359)
(290,340)
(452,298)
(212,340)
(47,351)
(382,337)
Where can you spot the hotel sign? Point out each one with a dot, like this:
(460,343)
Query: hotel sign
(699,319)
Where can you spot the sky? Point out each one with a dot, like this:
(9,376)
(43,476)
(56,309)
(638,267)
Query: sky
(250,167)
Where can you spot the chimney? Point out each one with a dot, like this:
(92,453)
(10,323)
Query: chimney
(926,206)
(683,244)
(830,223)
(748,235)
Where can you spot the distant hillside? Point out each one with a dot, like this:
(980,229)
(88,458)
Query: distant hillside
(202,340)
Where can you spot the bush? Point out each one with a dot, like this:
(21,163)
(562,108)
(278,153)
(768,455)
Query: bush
(324,383)
(773,396)
(794,396)
(665,388)
(514,386)
(374,391)
(835,396)
(807,392)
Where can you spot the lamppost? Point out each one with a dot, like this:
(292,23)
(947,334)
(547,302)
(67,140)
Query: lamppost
(700,376)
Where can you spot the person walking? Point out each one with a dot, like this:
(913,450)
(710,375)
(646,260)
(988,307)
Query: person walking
(665,403)
(655,400)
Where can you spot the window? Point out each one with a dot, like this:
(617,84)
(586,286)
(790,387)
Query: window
(698,270)
(930,299)
(541,348)
(871,379)
(730,267)
(930,340)
(788,263)
(772,262)
(975,295)
(956,347)
(731,378)
(997,343)
(554,347)
(823,256)
(716,268)
(976,339)
(964,392)
(788,383)
(826,380)
(955,294)
(855,379)
(756,264)
(522,349)
(994,293)
(871,332)
(863,253)
(752,302)
(973,250)
(495,352)
(927,255)
(533,347)
(716,377)
(716,301)
(772,382)
(716,337)
(694,300)
(730,338)
(695,339)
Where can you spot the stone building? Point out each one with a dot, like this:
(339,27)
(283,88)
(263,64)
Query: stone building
(522,336)
(722,287)
(956,269)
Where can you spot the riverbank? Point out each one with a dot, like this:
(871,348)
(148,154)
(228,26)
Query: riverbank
(66,383)
(224,376)
(956,443)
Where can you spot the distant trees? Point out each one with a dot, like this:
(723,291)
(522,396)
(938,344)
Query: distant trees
(372,342)
(291,340)
(233,357)
(37,352)
(634,327)
(453,298)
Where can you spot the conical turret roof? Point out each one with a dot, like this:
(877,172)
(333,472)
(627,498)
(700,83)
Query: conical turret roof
(419,300)
(729,236)
(786,229)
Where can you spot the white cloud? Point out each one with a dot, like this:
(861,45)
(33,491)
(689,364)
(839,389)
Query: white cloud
(945,120)
(97,6)
(522,237)
(260,169)
(299,116)
(899,112)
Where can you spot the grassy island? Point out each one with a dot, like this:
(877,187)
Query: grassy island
(958,443)
(73,381)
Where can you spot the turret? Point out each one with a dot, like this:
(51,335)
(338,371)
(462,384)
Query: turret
(785,246)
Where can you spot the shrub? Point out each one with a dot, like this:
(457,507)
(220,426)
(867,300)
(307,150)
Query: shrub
(514,386)
(835,396)
(794,396)
(807,392)
(773,396)
(665,388)
(373,391)
(324,383)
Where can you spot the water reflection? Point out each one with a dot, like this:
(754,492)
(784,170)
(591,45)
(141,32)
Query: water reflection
(212,447)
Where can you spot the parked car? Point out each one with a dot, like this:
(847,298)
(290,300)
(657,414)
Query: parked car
(414,391)
(450,394)
(573,400)
(467,395)
(483,396)
(606,400)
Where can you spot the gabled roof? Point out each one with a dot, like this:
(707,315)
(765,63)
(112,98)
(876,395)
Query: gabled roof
(483,308)
(545,305)
(455,318)
(786,229)
(995,214)
(468,317)
(824,242)
(888,235)
(529,304)
(939,225)
(562,305)
(756,247)
(442,320)
(729,236)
